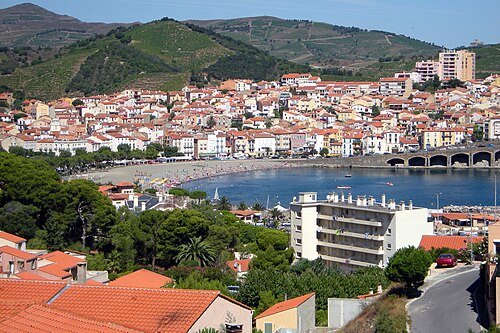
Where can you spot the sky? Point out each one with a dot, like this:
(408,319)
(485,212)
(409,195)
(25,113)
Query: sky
(450,23)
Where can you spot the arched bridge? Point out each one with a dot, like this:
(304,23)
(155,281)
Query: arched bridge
(472,157)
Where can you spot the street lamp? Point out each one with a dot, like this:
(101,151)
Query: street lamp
(437,205)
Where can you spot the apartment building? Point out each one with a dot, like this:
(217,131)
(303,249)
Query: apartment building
(392,86)
(427,70)
(354,232)
(492,128)
(457,65)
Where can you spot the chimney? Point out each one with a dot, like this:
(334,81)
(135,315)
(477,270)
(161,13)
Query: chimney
(359,201)
(392,204)
(160,196)
(143,206)
(136,201)
(342,199)
(363,200)
(370,201)
(379,289)
(81,273)
(382,203)
(410,205)
(349,198)
(335,197)
(402,205)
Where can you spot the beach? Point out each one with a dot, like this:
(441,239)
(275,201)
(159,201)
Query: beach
(150,175)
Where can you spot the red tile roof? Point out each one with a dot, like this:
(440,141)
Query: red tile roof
(149,310)
(141,279)
(243,265)
(38,318)
(17,253)
(11,237)
(452,242)
(27,275)
(286,305)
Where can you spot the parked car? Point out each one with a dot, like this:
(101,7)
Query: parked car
(446,260)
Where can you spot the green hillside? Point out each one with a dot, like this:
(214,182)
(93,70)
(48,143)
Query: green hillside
(487,60)
(320,44)
(163,54)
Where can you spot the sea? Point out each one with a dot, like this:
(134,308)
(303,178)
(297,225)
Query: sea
(426,188)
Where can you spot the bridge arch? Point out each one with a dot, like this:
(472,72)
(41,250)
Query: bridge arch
(394,161)
(438,160)
(483,157)
(417,161)
(461,158)
(497,157)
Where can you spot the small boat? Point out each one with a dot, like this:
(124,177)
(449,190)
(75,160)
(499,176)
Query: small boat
(348,175)
(344,187)
(389,184)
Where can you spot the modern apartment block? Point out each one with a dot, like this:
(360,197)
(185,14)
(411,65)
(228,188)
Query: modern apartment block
(427,70)
(354,233)
(457,65)
(391,86)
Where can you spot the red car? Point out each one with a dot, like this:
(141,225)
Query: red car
(446,260)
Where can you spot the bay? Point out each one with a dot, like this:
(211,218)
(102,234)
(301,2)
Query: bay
(457,187)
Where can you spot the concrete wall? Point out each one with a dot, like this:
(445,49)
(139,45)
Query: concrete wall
(342,310)
(306,315)
(285,320)
(223,311)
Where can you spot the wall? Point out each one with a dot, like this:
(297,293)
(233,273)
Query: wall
(283,319)
(342,310)
(306,313)
(223,311)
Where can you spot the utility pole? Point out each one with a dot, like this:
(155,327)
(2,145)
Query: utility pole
(437,203)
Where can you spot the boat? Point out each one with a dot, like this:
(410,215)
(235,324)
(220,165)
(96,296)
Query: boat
(343,187)
(389,184)
(348,175)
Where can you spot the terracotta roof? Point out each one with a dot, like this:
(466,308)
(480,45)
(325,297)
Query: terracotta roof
(27,275)
(11,237)
(286,305)
(17,253)
(141,279)
(16,295)
(148,310)
(452,242)
(243,265)
(62,259)
(124,184)
(39,318)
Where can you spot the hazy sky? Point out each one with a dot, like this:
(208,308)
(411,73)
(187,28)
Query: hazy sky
(450,23)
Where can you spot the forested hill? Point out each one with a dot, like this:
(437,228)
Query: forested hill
(320,44)
(163,54)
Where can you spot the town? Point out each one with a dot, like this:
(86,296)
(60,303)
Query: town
(300,115)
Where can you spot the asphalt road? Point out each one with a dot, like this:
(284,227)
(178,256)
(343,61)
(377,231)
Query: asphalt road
(451,304)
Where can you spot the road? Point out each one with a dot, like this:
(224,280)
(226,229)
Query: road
(450,304)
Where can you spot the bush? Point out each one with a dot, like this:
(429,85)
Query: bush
(409,266)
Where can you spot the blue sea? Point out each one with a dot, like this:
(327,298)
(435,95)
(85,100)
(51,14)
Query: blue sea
(455,187)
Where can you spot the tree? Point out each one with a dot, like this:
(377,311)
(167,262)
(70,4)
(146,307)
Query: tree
(375,110)
(198,195)
(211,122)
(198,250)
(258,206)
(477,134)
(242,206)
(150,222)
(77,102)
(410,266)
(268,124)
(224,204)
(324,151)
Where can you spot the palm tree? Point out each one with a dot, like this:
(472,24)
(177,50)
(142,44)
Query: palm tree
(224,204)
(242,206)
(258,206)
(198,250)
(275,213)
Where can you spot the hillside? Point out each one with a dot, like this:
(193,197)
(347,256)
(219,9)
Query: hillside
(320,44)
(30,25)
(163,54)
(487,60)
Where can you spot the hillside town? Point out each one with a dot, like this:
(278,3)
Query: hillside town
(299,115)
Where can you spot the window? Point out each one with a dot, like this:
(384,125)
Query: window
(33,264)
(20,265)
(389,231)
(389,246)
(298,228)
(11,267)
(298,241)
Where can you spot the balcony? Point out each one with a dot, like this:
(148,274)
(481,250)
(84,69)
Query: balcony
(379,251)
(357,221)
(353,234)
(349,261)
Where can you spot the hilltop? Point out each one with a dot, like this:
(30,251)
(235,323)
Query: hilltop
(163,54)
(31,25)
(321,44)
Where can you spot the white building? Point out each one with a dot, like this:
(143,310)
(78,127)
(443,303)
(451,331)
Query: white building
(492,128)
(354,232)
(427,69)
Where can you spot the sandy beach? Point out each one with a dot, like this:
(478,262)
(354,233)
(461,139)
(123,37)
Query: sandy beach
(153,175)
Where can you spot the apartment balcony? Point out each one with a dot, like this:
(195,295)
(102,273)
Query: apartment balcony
(357,221)
(349,261)
(377,251)
(359,235)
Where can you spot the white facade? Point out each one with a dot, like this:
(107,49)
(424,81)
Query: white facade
(354,232)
